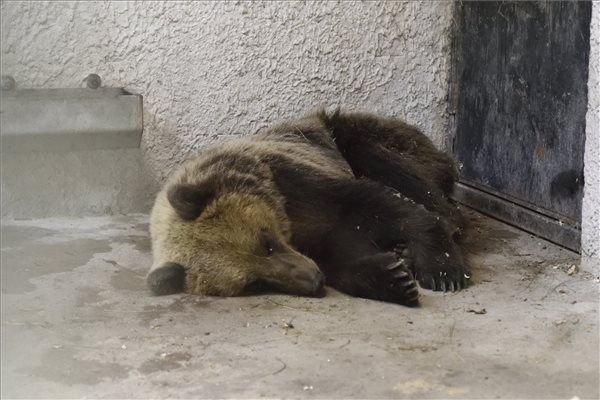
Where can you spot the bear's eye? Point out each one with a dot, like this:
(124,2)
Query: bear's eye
(268,243)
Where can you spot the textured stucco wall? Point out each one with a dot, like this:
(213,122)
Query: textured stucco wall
(216,68)
(590,241)
(208,69)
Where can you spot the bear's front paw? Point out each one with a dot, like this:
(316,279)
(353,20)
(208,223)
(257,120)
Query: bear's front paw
(443,273)
(399,282)
(404,255)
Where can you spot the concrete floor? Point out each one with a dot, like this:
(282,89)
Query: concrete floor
(77,321)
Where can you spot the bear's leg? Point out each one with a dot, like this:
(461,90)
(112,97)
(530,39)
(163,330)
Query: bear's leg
(388,221)
(390,143)
(404,174)
(438,261)
(356,266)
(398,155)
(382,276)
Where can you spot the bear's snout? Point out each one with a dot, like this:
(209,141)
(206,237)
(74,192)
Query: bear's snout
(319,283)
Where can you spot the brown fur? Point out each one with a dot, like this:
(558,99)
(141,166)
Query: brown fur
(219,247)
(293,189)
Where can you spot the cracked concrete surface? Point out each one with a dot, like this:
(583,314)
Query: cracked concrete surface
(77,321)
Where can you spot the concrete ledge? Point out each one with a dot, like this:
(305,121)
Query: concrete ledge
(59,120)
(76,183)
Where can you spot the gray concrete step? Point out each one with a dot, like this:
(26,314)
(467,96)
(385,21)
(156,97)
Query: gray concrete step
(72,152)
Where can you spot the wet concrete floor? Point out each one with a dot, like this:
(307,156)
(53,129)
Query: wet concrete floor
(77,321)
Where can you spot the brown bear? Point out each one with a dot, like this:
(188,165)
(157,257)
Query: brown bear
(355,200)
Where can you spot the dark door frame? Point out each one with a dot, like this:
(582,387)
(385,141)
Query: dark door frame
(528,217)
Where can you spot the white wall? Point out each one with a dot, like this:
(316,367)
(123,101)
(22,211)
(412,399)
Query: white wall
(590,240)
(216,68)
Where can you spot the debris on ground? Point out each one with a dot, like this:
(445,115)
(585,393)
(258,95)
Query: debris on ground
(568,268)
(287,326)
(480,311)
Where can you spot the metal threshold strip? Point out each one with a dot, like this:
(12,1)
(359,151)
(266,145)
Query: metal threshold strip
(559,231)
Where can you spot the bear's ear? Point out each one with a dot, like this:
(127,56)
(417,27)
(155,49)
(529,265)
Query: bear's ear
(189,200)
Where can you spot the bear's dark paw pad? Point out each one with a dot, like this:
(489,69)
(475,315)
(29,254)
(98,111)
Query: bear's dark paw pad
(402,282)
(451,280)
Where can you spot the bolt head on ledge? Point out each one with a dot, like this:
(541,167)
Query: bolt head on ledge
(93,81)
(8,82)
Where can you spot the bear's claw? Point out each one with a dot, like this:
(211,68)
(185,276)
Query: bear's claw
(403,254)
(445,272)
(400,279)
(447,281)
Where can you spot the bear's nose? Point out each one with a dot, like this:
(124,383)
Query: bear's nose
(319,283)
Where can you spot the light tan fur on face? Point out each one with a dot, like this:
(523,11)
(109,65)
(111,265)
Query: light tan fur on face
(218,249)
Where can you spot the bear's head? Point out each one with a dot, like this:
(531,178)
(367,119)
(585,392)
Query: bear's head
(211,241)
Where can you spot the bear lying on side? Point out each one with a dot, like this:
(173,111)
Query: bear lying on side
(356,201)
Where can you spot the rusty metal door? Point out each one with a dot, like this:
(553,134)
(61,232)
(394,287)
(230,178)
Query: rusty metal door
(519,99)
